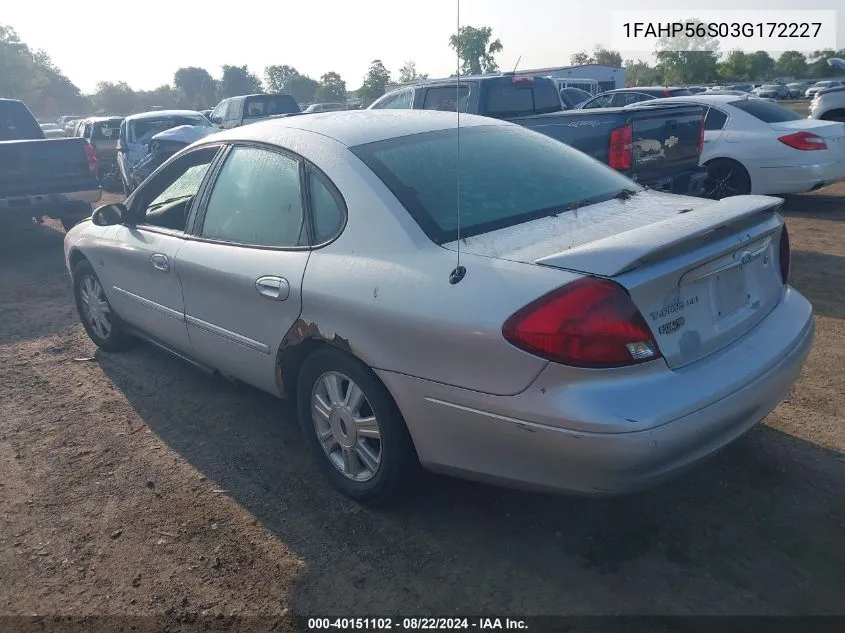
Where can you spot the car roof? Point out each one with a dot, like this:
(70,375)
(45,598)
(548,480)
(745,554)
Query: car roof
(354,127)
(162,114)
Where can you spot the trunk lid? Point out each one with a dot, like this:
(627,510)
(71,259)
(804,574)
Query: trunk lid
(701,272)
(826,129)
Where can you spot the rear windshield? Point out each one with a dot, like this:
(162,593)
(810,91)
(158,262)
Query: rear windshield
(509,175)
(105,131)
(766,111)
(269,105)
(506,99)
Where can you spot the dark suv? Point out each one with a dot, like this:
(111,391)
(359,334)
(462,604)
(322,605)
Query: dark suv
(626,96)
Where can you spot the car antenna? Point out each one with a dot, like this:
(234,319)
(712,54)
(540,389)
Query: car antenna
(518,59)
(460,271)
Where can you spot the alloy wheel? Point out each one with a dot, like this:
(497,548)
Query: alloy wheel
(346,426)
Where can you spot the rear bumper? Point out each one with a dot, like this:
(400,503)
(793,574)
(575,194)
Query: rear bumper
(74,205)
(799,178)
(686,183)
(614,431)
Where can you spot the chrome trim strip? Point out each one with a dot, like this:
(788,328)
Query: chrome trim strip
(170,312)
(234,337)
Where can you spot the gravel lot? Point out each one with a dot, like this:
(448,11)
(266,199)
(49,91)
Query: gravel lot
(132,484)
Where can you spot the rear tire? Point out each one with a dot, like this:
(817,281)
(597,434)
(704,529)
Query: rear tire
(101,324)
(726,178)
(354,428)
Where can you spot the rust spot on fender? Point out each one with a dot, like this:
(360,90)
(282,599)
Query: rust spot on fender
(300,332)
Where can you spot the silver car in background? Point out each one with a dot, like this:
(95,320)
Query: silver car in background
(591,336)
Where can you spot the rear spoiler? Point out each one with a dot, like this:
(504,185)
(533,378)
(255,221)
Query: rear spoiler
(620,253)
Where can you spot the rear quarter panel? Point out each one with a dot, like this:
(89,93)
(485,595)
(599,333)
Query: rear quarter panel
(381,290)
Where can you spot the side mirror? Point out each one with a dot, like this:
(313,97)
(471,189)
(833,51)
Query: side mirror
(110,214)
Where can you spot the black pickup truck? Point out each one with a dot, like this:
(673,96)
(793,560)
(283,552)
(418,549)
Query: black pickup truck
(659,147)
(40,178)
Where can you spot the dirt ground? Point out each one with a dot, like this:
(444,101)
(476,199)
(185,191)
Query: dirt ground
(131,484)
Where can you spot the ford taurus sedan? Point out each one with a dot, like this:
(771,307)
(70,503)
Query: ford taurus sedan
(513,312)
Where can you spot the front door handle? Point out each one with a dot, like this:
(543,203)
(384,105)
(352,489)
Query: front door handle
(160,262)
(275,288)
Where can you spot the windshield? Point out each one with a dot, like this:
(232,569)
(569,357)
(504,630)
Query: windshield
(269,105)
(770,87)
(509,175)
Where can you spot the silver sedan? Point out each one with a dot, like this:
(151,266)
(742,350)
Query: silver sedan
(512,311)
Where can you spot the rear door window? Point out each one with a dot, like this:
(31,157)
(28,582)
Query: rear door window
(257,200)
(765,111)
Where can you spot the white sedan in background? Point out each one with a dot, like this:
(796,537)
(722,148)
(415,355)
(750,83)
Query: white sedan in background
(759,147)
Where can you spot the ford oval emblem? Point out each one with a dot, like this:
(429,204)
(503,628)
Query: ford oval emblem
(746,258)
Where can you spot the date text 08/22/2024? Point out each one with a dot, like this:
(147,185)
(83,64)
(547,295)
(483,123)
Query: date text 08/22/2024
(415,624)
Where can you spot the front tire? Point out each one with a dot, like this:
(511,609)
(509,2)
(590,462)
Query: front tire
(101,324)
(354,428)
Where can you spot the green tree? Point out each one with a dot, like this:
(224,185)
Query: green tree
(331,89)
(408,73)
(475,49)
(580,58)
(32,77)
(288,80)
(277,77)
(818,66)
(606,57)
(639,73)
(761,66)
(198,87)
(735,67)
(115,98)
(377,78)
(792,64)
(687,59)
(237,80)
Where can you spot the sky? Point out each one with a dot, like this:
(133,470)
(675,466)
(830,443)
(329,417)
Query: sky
(145,42)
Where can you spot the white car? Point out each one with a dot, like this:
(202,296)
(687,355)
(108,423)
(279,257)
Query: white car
(822,85)
(759,147)
(51,130)
(829,104)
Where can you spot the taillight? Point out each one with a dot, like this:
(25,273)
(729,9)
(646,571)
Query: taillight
(523,80)
(701,137)
(590,322)
(621,147)
(666,93)
(92,160)
(785,254)
(805,141)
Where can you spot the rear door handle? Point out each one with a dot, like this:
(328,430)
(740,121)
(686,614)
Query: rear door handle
(275,288)
(160,262)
